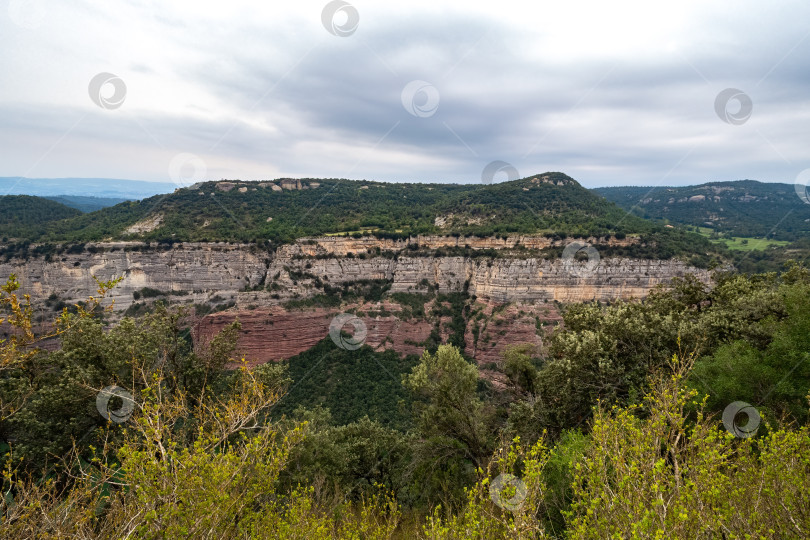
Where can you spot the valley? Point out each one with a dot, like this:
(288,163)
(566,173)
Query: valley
(346,270)
(398,335)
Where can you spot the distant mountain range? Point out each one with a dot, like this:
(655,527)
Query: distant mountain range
(744,208)
(84,187)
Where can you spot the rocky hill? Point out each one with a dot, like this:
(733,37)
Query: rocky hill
(480,266)
(744,208)
(281,211)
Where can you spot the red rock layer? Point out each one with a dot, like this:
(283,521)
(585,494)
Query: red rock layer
(273,334)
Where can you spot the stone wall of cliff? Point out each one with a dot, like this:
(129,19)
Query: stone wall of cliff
(197,271)
(504,279)
(258,283)
(201,272)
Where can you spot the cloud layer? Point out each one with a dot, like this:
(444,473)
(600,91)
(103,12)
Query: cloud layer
(610,93)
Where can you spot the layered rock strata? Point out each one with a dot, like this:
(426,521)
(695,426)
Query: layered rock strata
(257,284)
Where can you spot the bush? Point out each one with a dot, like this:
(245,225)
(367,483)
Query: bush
(659,474)
(148,292)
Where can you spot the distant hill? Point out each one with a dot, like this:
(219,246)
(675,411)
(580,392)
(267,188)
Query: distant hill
(84,187)
(87,204)
(744,208)
(284,210)
(30,216)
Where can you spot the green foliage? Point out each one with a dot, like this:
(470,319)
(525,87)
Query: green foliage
(60,408)
(774,371)
(351,384)
(413,303)
(453,305)
(449,383)
(196,459)
(23,216)
(662,475)
(557,206)
(606,352)
(764,215)
(744,208)
(148,292)
(86,204)
(368,290)
(360,444)
(520,369)
(517,514)
(453,422)
(353,460)
(558,477)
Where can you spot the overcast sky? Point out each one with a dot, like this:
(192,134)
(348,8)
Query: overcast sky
(611,93)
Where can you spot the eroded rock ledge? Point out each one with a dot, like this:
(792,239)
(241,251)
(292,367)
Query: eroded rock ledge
(255,284)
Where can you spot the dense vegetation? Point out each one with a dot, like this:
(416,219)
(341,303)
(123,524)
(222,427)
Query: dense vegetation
(611,430)
(764,225)
(86,204)
(772,258)
(744,208)
(551,204)
(349,385)
(23,215)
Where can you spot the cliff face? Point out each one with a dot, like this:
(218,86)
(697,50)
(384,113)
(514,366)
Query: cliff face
(277,333)
(259,282)
(197,271)
(499,279)
(342,245)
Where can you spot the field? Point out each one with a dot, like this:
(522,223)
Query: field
(743,244)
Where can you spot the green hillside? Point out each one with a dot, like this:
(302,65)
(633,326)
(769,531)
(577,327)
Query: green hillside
(744,209)
(551,203)
(86,204)
(23,215)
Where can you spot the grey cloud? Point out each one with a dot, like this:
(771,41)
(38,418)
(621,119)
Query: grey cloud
(651,116)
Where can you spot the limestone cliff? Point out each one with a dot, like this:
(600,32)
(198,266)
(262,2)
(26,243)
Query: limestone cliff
(197,271)
(257,283)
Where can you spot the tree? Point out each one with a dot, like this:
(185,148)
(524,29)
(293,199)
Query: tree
(452,421)
(193,460)
(521,371)
(658,472)
(773,374)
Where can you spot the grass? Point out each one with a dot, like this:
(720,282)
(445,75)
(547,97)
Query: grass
(753,244)
(743,244)
(348,233)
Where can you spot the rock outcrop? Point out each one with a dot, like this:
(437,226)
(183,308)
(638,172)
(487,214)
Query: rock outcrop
(258,283)
(277,333)
(195,272)
(498,279)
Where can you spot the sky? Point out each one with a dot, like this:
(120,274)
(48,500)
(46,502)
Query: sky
(610,93)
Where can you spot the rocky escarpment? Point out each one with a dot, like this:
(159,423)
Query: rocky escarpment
(257,285)
(198,272)
(499,279)
(343,245)
(248,275)
(278,333)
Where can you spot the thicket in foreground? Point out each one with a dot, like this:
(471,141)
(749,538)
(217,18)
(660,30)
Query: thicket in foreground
(195,463)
